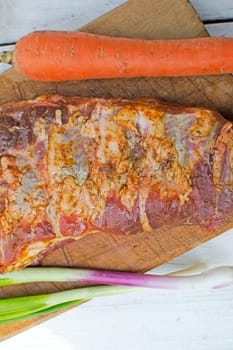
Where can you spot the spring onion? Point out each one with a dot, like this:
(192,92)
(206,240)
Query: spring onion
(18,308)
(212,278)
(46,311)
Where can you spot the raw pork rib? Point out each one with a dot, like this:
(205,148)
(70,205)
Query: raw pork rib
(72,166)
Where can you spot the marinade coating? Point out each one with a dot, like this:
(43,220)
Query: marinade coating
(70,166)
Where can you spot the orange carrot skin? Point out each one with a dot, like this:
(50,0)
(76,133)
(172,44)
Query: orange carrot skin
(60,56)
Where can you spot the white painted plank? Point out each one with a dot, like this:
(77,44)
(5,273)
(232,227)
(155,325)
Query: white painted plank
(18,18)
(210,10)
(169,320)
(4,67)
(220,29)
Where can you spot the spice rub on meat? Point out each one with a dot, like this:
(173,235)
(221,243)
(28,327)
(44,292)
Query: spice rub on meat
(70,166)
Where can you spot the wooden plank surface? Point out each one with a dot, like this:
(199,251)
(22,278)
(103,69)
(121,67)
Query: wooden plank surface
(189,26)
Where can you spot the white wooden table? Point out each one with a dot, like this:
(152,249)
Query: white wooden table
(149,320)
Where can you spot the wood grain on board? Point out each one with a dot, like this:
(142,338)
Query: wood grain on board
(148,19)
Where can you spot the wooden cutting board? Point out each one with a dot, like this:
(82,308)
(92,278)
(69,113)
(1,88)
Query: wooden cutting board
(149,19)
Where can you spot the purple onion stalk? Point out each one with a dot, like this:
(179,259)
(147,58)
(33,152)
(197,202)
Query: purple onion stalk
(215,278)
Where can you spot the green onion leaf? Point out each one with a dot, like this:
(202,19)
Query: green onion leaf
(22,307)
(18,308)
(48,310)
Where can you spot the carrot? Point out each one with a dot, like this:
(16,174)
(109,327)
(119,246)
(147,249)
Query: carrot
(59,56)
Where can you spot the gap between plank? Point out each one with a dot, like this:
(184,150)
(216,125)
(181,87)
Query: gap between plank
(220,21)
